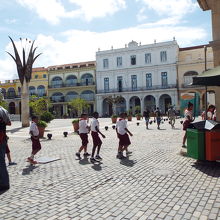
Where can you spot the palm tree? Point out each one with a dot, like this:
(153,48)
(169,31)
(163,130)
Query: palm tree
(114,101)
(24,73)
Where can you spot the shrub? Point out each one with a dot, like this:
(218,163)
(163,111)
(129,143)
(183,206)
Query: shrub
(75,121)
(42,124)
(114,116)
(47,117)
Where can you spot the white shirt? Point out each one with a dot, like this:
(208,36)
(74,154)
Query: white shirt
(94,124)
(188,113)
(121,125)
(34,128)
(83,127)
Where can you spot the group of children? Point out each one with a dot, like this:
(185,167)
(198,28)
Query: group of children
(85,128)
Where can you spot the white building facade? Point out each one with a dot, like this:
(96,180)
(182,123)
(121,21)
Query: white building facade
(144,75)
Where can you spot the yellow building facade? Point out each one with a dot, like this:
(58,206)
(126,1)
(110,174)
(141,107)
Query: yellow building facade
(191,62)
(11,89)
(71,81)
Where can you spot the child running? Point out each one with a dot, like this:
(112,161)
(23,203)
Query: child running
(83,133)
(95,137)
(122,130)
(36,146)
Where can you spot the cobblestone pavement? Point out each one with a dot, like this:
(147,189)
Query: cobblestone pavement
(155,182)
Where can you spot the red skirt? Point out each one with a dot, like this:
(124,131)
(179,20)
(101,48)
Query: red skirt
(124,140)
(35,144)
(84,138)
(186,124)
(96,139)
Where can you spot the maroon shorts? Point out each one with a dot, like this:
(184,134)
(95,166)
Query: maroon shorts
(186,124)
(124,140)
(84,138)
(35,144)
(96,139)
(7,149)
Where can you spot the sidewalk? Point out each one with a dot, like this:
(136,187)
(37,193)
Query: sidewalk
(155,182)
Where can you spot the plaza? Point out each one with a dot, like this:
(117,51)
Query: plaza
(155,182)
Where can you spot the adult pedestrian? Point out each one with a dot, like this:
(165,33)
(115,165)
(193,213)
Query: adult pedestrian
(146,115)
(172,116)
(158,117)
(4,121)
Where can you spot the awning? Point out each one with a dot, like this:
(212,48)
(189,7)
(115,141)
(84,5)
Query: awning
(208,78)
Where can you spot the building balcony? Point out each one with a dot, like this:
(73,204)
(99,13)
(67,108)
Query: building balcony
(65,85)
(184,85)
(87,97)
(137,89)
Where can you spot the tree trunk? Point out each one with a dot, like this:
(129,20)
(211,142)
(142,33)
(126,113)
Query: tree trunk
(25,112)
(114,108)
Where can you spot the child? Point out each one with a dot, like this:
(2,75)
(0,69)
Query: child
(95,137)
(9,156)
(172,116)
(36,145)
(83,133)
(146,115)
(188,114)
(124,141)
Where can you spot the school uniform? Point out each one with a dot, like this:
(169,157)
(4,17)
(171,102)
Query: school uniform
(83,131)
(95,135)
(186,123)
(121,125)
(36,145)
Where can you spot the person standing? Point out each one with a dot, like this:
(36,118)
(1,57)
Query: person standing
(158,117)
(95,137)
(83,133)
(146,115)
(36,145)
(4,121)
(172,116)
(8,154)
(122,133)
(188,114)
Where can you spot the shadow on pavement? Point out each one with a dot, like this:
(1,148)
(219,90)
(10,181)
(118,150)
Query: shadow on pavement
(127,162)
(28,170)
(211,168)
(3,191)
(84,161)
(15,130)
(97,166)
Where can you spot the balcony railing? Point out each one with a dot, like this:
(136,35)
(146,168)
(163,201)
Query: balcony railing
(157,87)
(71,85)
(87,97)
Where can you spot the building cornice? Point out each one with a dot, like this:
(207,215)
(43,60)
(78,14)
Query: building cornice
(204,5)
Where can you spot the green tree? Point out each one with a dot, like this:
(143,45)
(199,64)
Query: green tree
(3,103)
(39,105)
(79,105)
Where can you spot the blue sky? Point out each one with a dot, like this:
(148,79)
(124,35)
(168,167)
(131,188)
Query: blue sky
(68,31)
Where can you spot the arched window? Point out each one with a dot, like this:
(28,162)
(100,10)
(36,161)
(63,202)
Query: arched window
(57,97)
(87,79)
(71,80)
(11,93)
(57,82)
(71,95)
(188,77)
(32,90)
(41,91)
(88,95)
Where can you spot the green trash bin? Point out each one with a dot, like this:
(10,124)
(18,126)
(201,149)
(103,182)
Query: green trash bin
(196,144)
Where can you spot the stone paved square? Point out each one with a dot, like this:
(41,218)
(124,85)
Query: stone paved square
(155,182)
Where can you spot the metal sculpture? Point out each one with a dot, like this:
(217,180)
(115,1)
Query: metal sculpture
(24,69)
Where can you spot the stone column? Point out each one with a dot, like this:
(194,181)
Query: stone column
(99,105)
(142,105)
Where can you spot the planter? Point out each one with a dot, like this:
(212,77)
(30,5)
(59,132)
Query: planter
(138,117)
(129,117)
(75,126)
(41,131)
(114,120)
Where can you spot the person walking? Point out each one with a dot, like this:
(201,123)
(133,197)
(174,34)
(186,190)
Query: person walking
(4,121)
(188,114)
(171,116)
(8,154)
(97,143)
(146,115)
(158,117)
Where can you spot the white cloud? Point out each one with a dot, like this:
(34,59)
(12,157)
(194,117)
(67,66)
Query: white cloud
(171,7)
(80,46)
(53,10)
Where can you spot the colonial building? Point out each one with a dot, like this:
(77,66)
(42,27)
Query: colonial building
(70,81)
(144,75)
(191,62)
(12,89)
